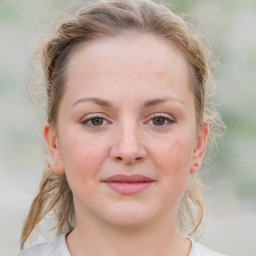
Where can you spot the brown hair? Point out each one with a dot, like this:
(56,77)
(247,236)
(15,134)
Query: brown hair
(112,18)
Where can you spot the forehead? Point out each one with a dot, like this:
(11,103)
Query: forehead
(129,61)
(145,51)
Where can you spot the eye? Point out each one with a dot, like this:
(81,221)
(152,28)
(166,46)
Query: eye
(94,121)
(161,121)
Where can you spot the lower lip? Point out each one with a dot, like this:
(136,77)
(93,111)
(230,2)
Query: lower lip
(128,188)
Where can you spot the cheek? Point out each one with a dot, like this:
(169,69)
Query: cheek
(82,158)
(173,160)
(175,154)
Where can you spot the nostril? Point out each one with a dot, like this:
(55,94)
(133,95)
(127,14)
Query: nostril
(128,152)
(128,160)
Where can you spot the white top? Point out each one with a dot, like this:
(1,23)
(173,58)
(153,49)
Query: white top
(58,247)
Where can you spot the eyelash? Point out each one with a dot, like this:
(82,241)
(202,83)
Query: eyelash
(88,121)
(167,121)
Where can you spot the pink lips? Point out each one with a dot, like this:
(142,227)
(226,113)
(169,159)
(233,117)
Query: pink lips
(131,184)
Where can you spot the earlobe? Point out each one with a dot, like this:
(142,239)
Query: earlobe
(199,150)
(51,138)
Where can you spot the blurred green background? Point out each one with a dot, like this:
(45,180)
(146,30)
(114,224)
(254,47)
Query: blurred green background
(230,223)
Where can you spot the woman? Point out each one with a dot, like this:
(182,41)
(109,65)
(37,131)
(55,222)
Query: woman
(128,122)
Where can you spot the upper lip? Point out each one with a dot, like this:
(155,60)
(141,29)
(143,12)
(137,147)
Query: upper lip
(128,178)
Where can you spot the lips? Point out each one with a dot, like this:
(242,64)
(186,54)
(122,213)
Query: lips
(129,184)
(135,178)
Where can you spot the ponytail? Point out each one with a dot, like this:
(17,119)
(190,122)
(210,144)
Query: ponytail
(191,207)
(54,195)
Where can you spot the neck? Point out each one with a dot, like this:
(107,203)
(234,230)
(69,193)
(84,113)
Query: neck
(161,238)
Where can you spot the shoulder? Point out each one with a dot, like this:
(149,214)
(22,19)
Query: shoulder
(200,250)
(56,247)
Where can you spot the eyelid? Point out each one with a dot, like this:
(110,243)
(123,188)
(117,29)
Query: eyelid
(168,117)
(89,117)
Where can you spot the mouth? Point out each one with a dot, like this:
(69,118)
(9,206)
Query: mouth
(128,184)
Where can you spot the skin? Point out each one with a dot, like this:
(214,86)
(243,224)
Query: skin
(138,87)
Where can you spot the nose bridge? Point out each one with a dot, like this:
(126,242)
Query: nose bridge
(129,136)
(128,145)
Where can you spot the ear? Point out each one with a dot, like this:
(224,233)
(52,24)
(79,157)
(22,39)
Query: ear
(51,138)
(198,153)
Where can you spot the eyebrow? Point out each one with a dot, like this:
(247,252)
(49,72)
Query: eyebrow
(153,102)
(146,104)
(100,102)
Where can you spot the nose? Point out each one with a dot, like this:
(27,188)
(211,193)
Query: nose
(128,145)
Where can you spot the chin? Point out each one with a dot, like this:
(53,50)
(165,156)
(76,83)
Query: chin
(130,216)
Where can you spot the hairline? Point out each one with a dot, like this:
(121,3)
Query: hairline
(129,32)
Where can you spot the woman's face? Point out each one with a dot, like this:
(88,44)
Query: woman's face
(126,135)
